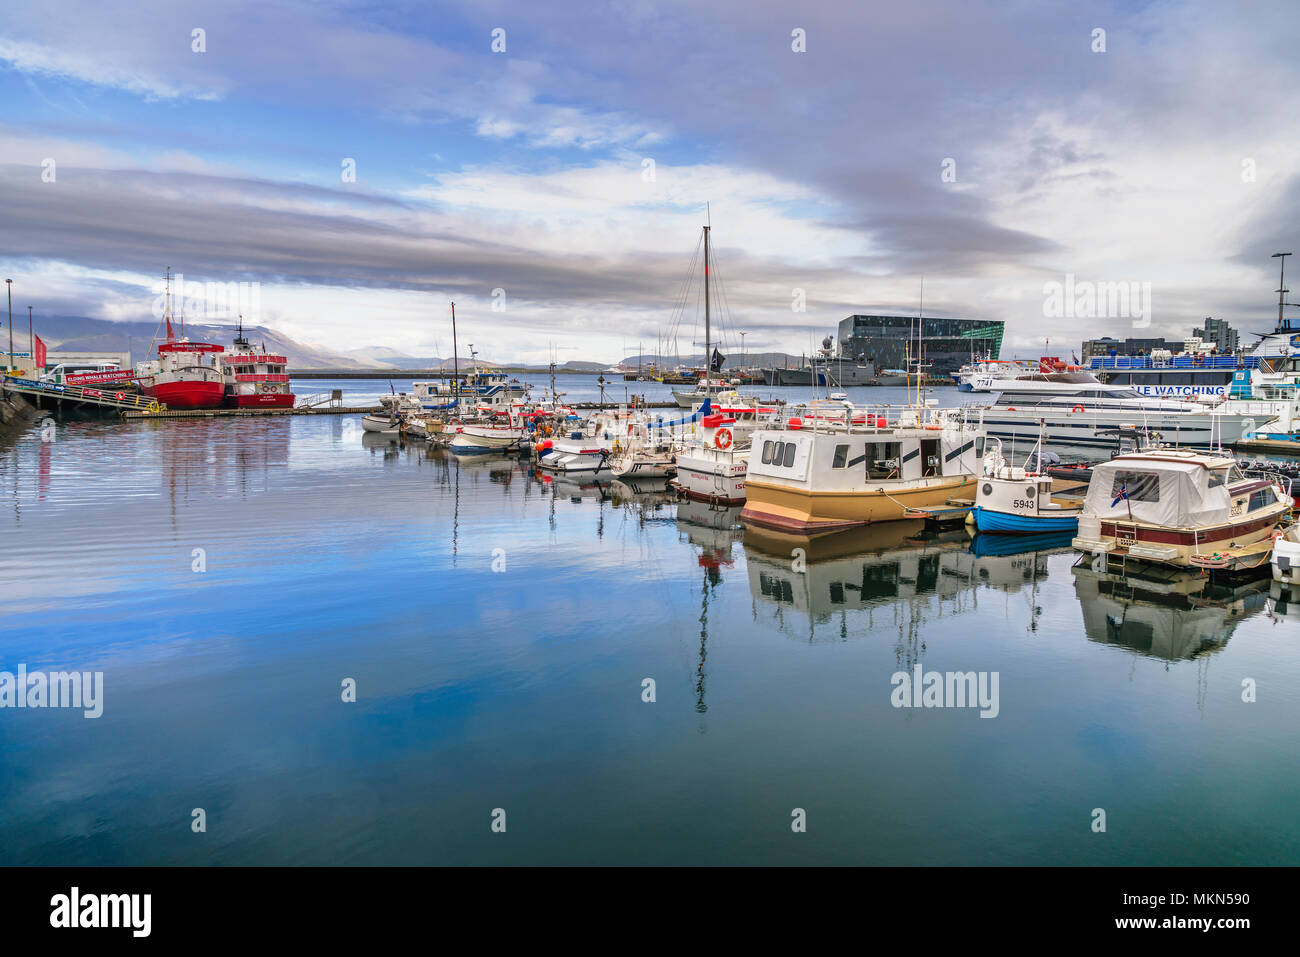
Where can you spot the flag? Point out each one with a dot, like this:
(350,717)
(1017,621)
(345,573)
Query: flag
(715,363)
(1075,358)
(1122,496)
(40,353)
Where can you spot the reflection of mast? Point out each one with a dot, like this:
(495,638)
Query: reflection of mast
(711,578)
(455,513)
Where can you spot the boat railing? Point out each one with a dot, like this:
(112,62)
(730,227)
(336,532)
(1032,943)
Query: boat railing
(879,419)
(1282,480)
(1181,362)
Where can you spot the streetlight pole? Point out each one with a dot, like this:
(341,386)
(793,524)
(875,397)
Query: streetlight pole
(9,287)
(31,337)
(1281,285)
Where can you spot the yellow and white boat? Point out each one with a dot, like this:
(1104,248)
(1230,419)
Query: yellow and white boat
(840,467)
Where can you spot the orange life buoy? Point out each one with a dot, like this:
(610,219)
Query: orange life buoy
(794,423)
(1077,408)
(121,396)
(722,438)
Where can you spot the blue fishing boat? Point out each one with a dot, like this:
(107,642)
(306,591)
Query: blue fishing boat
(1012,501)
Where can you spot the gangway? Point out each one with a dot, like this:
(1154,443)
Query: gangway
(110,398)
(332,399)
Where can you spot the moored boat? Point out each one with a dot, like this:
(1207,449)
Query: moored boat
(1012,501)
(856,468)
(1181,508)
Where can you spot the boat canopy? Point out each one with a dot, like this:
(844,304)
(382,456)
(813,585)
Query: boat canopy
(1168,493)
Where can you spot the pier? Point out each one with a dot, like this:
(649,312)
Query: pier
(117,399)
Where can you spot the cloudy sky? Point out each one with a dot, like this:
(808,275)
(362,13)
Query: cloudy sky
(847,150)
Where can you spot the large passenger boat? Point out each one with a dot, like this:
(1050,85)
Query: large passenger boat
(1071,405)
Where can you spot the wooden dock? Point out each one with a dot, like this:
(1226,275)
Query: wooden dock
(250,413)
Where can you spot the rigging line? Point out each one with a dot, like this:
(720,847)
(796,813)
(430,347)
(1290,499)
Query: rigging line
(679,303)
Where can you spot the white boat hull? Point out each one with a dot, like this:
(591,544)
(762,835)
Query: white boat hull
(380,423)
(1081,428)
(713,475)
(471,439)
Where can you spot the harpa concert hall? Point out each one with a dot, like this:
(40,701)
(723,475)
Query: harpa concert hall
(947,344)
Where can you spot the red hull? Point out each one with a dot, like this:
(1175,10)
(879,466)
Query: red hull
(265,400)
(188,395)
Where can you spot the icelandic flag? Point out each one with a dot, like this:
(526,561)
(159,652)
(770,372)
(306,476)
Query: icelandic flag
(1123,494)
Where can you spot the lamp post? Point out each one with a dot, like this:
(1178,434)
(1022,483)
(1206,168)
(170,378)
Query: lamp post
(1281,285)
(9,287)
(31,338)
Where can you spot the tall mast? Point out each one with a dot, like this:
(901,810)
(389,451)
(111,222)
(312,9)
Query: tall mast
(708,349)
(455,358)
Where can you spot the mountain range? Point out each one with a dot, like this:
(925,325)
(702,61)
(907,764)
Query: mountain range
(83,334)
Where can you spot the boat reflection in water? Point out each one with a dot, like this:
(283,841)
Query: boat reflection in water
(895,574)
(714,530)
(1169,614)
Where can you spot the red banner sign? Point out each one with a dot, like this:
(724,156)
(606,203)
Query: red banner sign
(190,347)
(86,378)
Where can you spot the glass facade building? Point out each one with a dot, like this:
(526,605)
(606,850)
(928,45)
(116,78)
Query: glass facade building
(947,344)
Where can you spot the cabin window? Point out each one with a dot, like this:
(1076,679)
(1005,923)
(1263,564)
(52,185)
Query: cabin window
(1138,486)
(767,453)
(883,459)
(789,455)
(979,447)
(1218,477)
(1264,497)
(841,456)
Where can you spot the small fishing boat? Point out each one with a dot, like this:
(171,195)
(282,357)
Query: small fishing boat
(852,467)
(386,420)
(712,467)
(1010,500)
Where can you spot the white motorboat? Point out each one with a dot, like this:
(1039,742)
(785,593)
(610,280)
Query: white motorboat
(1286,557)
(584,449)
(382,421)
(688,397)
(1182,508)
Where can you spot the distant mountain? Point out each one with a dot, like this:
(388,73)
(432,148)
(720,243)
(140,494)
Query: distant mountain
(81,334)
(732,360)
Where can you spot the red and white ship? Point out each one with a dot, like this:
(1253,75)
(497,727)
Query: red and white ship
(179,378)
(254,378)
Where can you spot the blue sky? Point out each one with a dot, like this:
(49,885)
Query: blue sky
(523,170)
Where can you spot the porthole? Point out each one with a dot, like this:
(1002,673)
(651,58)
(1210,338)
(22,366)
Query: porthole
(1030,492)
(988,489)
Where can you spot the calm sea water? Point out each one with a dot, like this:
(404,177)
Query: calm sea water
(229,576)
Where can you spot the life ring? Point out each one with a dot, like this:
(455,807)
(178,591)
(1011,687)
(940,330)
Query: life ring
(722,438)
(121,396)
(1078,408)
(794,423)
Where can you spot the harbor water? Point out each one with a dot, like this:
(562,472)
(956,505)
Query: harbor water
(552,671)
